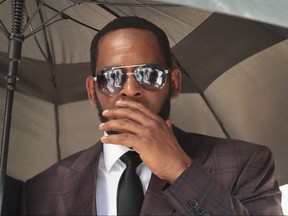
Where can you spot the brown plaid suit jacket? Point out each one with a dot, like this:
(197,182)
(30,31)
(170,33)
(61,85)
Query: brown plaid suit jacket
(227,177)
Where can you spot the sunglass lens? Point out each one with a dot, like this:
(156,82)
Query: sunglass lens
(151,77)
(110,81)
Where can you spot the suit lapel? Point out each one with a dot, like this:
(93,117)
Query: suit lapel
(154,202)
(78,182)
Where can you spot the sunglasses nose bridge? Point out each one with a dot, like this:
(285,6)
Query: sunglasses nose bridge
(131,87)
(130,73)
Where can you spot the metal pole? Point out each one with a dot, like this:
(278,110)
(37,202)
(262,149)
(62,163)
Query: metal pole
(14,55)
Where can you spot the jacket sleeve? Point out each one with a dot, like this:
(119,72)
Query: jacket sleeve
(247,189)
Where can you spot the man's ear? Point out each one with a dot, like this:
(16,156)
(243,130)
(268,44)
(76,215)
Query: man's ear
(90,86)
(175,82)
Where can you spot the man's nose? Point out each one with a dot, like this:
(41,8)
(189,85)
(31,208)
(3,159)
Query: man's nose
(131,87)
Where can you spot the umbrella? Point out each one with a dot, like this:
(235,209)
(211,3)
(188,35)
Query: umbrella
(235,77)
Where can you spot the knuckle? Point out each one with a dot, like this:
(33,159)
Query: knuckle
(145,140)
(140,106)
(124,121)
(122,137)
(153,123)
(129,111)
(148,131)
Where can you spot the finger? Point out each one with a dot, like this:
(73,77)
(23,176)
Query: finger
(124,139)
(121,125)
(134,105)
(169,122)
(127,113)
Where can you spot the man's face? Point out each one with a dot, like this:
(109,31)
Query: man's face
(127,47)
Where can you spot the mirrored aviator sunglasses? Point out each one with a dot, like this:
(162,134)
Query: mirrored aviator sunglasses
(151,77)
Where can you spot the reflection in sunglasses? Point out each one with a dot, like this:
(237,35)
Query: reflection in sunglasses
(111,80)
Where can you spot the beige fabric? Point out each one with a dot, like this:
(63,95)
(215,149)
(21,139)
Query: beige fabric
(32,138)
(247,99)
(265,10)
(70,42)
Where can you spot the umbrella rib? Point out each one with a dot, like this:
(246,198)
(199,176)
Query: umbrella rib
(38,44)
(29,21)
(199,91)
(44,24)
(62,15)
(108,10)
(53,87)
(2,26)
(215,115)
(3,29)
(49,53)
(41,28)
(129,4)
(65,16)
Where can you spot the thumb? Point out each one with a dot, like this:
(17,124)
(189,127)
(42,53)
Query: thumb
(169,123)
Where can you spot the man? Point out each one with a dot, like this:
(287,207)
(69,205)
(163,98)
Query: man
(132,82)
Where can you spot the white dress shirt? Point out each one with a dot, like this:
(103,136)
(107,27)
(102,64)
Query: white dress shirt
(110,170)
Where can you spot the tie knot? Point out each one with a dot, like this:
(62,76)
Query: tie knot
(131,158)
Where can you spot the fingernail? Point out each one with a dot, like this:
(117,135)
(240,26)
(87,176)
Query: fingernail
(119,102)
(103,138)
(105,112)
(101,125)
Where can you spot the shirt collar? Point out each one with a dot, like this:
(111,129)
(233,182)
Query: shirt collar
(111,153)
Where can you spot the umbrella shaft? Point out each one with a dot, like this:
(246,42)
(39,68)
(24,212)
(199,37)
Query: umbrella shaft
(14,54)
(5,142)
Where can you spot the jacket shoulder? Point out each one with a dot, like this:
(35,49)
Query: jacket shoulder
(204,146)
(51,172)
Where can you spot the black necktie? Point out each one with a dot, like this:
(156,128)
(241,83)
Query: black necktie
(130,193)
